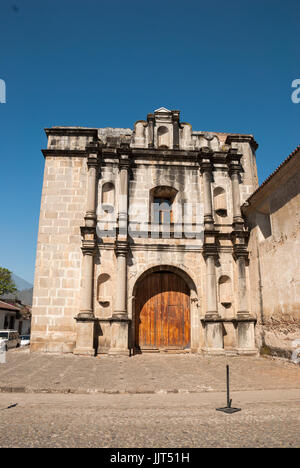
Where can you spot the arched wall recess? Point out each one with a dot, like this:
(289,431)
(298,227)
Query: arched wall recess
(108,197)
(220,202)
(104,290)
(225,291)
(163,137)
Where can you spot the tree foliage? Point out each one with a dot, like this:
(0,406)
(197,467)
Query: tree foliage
(7,285)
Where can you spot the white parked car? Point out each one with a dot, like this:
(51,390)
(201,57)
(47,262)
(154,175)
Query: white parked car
(25,340)
(10,339)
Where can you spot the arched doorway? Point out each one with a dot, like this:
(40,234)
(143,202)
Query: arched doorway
(162,312)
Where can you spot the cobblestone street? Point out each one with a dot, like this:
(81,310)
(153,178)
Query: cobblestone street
(268,419)
(147,401)
(142,373)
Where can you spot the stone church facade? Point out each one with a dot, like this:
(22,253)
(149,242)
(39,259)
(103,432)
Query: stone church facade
(142,246)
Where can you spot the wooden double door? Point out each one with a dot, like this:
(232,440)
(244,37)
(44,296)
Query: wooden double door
(162,312)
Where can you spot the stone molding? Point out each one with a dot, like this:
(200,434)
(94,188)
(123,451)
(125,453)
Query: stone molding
(85,317)
(121,248)
(234,320)
(242,139)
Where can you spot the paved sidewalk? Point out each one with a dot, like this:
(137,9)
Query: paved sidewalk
(148,373)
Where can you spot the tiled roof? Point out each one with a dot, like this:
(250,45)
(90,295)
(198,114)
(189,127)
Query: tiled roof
(6,306)
(275,172)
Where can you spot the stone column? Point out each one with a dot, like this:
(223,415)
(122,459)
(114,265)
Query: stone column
(211,287)
(120,321)
(206,169)
(234,171)
(212,320)
(175,115)
(86,308)
(85,319)
(213,324)
(124,165)
(120,309)
(150,119)
(245,323)
(242,287)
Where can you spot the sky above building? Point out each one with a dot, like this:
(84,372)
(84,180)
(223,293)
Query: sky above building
(228,66)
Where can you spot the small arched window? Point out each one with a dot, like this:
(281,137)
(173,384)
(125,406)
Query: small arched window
(161,201)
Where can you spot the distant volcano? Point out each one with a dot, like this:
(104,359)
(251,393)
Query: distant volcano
(20,283)
(24,293)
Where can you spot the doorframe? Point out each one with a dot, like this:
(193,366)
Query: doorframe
(194,301)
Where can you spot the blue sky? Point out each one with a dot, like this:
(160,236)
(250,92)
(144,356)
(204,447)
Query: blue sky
(228,66)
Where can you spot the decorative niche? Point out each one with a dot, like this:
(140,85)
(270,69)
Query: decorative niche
(220,202)
(108,197)
(163,137)
(225,291)
(104,290)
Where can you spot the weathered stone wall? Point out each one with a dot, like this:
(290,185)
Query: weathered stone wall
(57,275)
(274,261)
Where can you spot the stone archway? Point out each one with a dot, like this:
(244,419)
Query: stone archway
(162,318)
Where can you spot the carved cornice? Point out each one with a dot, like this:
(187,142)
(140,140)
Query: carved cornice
(72,131)
(121,248)
(150,117)
(175,115)
(90,220)
(242,139)
(124,162)
(210,250)
(88,248)
(92,146)
(240,251)
(206,166)
(124,154)
(89,240)
(60,153)
(92,160)
(233,160)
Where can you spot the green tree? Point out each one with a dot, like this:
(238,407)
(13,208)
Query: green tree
(7,284)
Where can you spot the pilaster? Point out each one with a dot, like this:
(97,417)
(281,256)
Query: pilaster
(206,168)
(85,319)
(245,322)
(212,320)
(175,116)
(234,169)
(119,322)
(150,119)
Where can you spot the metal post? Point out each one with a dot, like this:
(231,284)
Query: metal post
(228,409)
